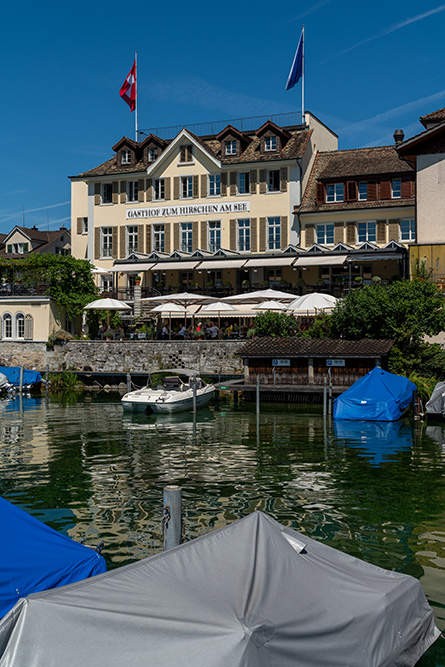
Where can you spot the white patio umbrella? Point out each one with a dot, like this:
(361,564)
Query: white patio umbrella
(311,304)
(99,270)
(269,305)
(169,308)
(107,304)
(182,298)
(259,296)
(217,307)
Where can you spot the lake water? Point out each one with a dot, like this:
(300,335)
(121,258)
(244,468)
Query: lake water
(375,491)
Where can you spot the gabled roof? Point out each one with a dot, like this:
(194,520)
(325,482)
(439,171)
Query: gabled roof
(125,141)
(44,239)
(193,139)
(429,141)
(153,139)
(269,125)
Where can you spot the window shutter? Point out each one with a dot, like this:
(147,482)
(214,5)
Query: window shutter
(141,190)
(123,192)
(263,187)
(263,223)
(394,229)
(97,243)
(253,182)
(203,243)
(79,225)
(96,194)
(149,189)
(351,190)
(176,187)
(283,179)
(115,192)
(140,238)
(381,231)
(223,184)
(194,234)
(167,235)
(406,188)
(253,234)
(372,190)
(232,183)
(148,239)
(310,235)
(29,327)
(176,236)
(338,232)
(351,234)
(203,185)
(167,190)
(9,248)
(385,189)
(232,240)
(195,186)
(319,196)
(25,247)
(284,232)
(122,249)
(114,242)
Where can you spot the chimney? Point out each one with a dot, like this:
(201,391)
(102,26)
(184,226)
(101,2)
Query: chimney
(399,136)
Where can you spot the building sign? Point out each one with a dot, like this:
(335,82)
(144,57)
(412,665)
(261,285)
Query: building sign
(336,363)
(184,210)
(280,362)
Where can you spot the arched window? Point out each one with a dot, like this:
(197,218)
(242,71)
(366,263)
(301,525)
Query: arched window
(7,325)
(19,325)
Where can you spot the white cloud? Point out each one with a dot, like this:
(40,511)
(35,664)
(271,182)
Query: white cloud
(33,210)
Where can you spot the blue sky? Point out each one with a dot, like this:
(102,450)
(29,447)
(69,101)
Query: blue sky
(370,68)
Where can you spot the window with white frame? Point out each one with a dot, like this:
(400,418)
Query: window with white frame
(325,234)
(158,238)
(273,180)
(270,143)
(186,187)
(132,190)
(244,183)
(84,225)
(214,185)
(152,154)
(19,325)
(106,241)
(126,157)
(107,193)
(214,227)
(107,283)
(186,237)
(396,188)
(335,192)
(244,235)
(132,238)
(7,325)
(274,233)
(158,189)
(186,153)
(366,231)
(230,147)
(363,191)
(18,248)
(408,230)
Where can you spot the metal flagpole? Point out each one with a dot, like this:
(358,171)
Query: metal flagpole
(303,120)
(136,101)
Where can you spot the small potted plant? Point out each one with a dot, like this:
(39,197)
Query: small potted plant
(137,280)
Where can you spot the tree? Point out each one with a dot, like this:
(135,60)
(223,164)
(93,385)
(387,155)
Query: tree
(271,323)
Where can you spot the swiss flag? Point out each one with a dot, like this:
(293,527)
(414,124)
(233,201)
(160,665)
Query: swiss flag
(128,90)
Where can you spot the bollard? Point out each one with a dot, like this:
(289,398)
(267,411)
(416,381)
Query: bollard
(172,517)
(325,397)
(22,370)
(258,396)
(194,395)
(128,382)
(47,373)
(330,392)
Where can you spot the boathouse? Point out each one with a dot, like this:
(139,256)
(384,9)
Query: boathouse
(308,361)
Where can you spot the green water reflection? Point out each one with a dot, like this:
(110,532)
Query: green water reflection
(374,491)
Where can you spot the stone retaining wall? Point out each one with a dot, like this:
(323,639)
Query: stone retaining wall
(124,356)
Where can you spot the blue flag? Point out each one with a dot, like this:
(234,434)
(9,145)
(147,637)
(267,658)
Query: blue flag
(296,71)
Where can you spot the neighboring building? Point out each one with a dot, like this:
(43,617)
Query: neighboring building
(28,318)
(29,240)
(228,197)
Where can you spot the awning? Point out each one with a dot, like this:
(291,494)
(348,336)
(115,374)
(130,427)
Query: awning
(174,266)
(133,268)
(270,261)
(223,264)
(321,260)
(375,257)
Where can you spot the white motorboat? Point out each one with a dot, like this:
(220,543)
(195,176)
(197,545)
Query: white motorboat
(5,385)
(173,393)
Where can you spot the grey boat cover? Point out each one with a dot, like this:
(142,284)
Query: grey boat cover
(436,404)
(252,594)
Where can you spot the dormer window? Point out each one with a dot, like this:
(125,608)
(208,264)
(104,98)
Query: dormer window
(186,153)
(335,192)
(152,154)
(231,147)
(125,157)
(270,144)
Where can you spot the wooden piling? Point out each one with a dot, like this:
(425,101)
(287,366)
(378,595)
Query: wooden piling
(172,517)
(22,371)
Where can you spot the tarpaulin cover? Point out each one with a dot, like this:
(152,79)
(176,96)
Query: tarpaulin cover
(13,375)
(436,405)
(34,557)
(377,396)
(252,594)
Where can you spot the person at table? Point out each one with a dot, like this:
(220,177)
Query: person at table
(213,331)
(182,331)
(164,334)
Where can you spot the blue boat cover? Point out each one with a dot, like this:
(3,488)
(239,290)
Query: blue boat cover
(377,396)
(34,557)
(13,375)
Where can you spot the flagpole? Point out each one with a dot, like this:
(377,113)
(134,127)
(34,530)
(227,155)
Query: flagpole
(136,101)
(303,119)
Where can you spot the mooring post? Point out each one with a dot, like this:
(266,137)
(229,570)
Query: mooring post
(325,397)
(258,395)
(330,392)
(22,370)
(172,517)
(194,394)
(416,405)
(47,373)
(128,382)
